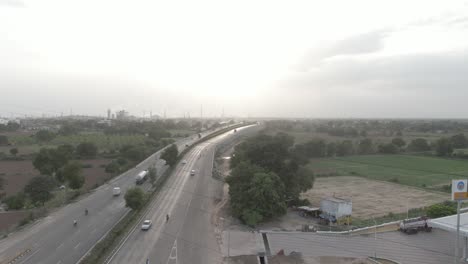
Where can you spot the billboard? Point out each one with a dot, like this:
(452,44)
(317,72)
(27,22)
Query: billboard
(459,190)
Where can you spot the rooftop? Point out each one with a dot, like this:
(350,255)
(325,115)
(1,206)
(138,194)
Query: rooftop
(449,223)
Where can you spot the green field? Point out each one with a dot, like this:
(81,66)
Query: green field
(405,169)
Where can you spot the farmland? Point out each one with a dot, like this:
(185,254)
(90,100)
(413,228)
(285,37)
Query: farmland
(418,171)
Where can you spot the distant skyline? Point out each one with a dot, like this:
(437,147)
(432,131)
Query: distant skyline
(300,59)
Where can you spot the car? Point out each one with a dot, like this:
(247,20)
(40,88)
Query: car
(184,162)
(116,191)
(192,172)
(146,225)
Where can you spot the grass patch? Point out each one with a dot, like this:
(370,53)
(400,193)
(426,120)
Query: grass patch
(409,170)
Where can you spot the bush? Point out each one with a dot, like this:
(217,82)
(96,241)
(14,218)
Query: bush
(394,179)
(15,202)
(86,166)
(440,210)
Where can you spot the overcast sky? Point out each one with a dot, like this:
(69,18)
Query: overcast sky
(259,58)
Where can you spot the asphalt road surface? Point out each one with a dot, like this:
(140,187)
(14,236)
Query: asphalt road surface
(188,236)
(55,240)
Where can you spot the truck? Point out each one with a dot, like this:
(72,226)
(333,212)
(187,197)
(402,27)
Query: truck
(413,225)
(141,177)
(116,191)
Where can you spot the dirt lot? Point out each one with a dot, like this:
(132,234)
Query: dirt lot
(17,174)
(372,198)
(10,219)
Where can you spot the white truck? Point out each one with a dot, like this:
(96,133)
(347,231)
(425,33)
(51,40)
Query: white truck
(141,177)
(413,225)
(116,191)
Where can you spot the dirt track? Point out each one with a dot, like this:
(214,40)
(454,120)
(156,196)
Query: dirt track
(372,198)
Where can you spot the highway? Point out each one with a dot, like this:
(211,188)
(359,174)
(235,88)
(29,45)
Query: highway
(188,236)
(55,240)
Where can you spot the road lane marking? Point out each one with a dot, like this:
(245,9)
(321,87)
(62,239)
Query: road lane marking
(77,245)
(60,246)
(59,262)
(94,230)
(173,256)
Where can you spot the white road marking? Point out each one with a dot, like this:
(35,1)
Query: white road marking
(77,245)
(59,262)
(173,255)
(60,246)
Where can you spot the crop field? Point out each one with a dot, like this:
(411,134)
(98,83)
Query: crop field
(409,170)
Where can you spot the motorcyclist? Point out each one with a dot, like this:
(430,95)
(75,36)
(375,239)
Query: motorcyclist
(167,218)
(75,222)
(86,211)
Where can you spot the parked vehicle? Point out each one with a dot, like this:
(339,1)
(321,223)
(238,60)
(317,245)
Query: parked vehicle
(116,191)
(413,225)
(141,177)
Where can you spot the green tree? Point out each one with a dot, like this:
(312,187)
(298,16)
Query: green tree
(170,155)
(444,147)
(440,210)
(3,140)
(152,174)
(419,144)
(261,198)
(134,198)
(44,136)
(66,150)
(68,129)
(15,202)
(459,141)
(48,161)
(87,150)
(112,167)
(345,148)
(331,149)
(14,151)
(39,189)
(399,142)
(366,146)
(134,153)
(72,173)
(388,148)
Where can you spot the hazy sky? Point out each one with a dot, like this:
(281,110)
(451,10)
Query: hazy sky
(259,58)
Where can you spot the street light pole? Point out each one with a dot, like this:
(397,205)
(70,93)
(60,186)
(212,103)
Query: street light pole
(375,238)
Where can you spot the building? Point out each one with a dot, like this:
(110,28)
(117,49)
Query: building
(336,210)
(109,114)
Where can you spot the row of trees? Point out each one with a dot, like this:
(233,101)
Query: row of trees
(265,176)
(317,148)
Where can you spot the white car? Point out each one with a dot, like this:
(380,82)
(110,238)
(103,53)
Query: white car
(184,162)
(146,225)
(192,172)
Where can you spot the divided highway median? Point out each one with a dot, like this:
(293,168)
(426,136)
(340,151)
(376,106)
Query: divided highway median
(106,247)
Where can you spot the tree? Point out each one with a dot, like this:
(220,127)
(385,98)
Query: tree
(68,129)
(87,150)
(440,210)
(112,167)
(15,202)
(419,144)
(365,146)
(14,151)
(4,140)
(66,150)
(388,148)
(71,173)
(48,161)
(316,148)
(255,194)
(134,198)
(152,174)
(331,149)
(345,148)
(459,141)
(399,142)
(44,135)
(444,147)
(134,153)
(38,189)
(170,155)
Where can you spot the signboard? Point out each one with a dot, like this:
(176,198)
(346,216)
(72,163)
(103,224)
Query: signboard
(459,190)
